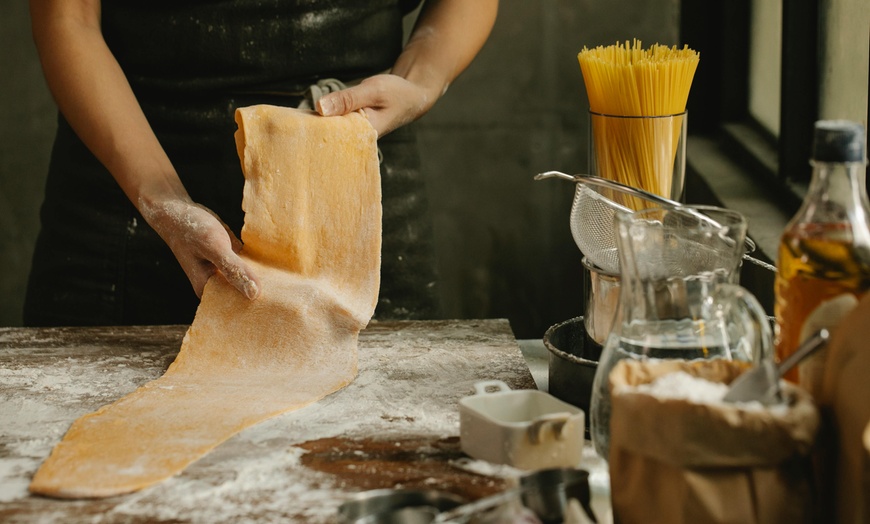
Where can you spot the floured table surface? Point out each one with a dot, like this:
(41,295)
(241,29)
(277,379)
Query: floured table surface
(396,425)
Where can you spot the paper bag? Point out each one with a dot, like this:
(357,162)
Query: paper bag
(845,404)
(866,481)
(678,462)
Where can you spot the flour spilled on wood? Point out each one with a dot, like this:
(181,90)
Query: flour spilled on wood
(272,486)
(37,405)
(406,386)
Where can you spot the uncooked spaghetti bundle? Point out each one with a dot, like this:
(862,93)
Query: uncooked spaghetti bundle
(637,100)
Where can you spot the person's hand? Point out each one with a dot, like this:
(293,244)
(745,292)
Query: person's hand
(389,101)
(202,243)
(446,37)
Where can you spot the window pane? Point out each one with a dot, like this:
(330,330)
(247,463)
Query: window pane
(844,59)
(765,40)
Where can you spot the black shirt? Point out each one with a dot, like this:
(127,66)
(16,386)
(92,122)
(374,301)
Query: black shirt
(198,45)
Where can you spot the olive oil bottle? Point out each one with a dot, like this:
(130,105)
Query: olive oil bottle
(824,254)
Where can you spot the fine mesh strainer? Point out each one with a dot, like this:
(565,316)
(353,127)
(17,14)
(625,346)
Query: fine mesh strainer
(598,201)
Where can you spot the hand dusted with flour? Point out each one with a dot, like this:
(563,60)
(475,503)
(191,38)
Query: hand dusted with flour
(313,236)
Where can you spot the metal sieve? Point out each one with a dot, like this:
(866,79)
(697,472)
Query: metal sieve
(597,202)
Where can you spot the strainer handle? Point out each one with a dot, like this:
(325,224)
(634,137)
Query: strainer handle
(652,197)
(610,184)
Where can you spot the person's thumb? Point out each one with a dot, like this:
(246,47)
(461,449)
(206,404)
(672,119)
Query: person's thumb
(343,102)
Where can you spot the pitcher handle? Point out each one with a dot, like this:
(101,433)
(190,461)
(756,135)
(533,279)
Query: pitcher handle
(755,320)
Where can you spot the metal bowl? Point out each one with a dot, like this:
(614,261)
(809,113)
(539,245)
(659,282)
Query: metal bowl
(546,492)
(573,359)
(396,506)
(601,290)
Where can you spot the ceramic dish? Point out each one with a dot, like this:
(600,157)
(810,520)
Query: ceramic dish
(526,429)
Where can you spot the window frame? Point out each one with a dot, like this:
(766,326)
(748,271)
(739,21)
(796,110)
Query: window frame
(720,96)
(733,161)
(799,94)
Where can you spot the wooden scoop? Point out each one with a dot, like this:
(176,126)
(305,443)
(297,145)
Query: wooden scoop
(761,383)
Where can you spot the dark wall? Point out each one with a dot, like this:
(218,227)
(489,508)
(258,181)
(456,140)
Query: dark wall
(504,245)
(27,123)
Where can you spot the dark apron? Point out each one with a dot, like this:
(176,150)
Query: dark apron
(97,262)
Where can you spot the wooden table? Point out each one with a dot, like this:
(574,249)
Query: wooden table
(396,425)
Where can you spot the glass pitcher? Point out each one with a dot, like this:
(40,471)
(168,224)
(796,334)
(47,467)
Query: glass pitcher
(679,297)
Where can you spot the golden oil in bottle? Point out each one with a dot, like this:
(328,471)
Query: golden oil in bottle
(821,277)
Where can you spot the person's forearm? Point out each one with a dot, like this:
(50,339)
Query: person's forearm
(94,96)
(447,36)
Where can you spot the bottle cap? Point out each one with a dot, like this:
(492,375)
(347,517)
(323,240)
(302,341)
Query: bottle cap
(838,141)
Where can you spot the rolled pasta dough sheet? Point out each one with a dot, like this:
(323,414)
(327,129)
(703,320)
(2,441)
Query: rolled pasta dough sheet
(312,233)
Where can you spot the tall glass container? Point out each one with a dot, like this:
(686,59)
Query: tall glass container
(646,152)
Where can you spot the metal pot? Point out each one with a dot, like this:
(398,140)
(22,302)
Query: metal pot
(573,359)
(601,290)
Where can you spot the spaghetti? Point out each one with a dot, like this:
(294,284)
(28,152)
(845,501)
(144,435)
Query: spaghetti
(637,99)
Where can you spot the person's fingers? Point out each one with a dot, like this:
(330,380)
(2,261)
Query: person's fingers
(231,266)
(337,103)
(365,95)
(363,99)
(198,272)
(239,275)
(199,276)
(203,244)
(234,240)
